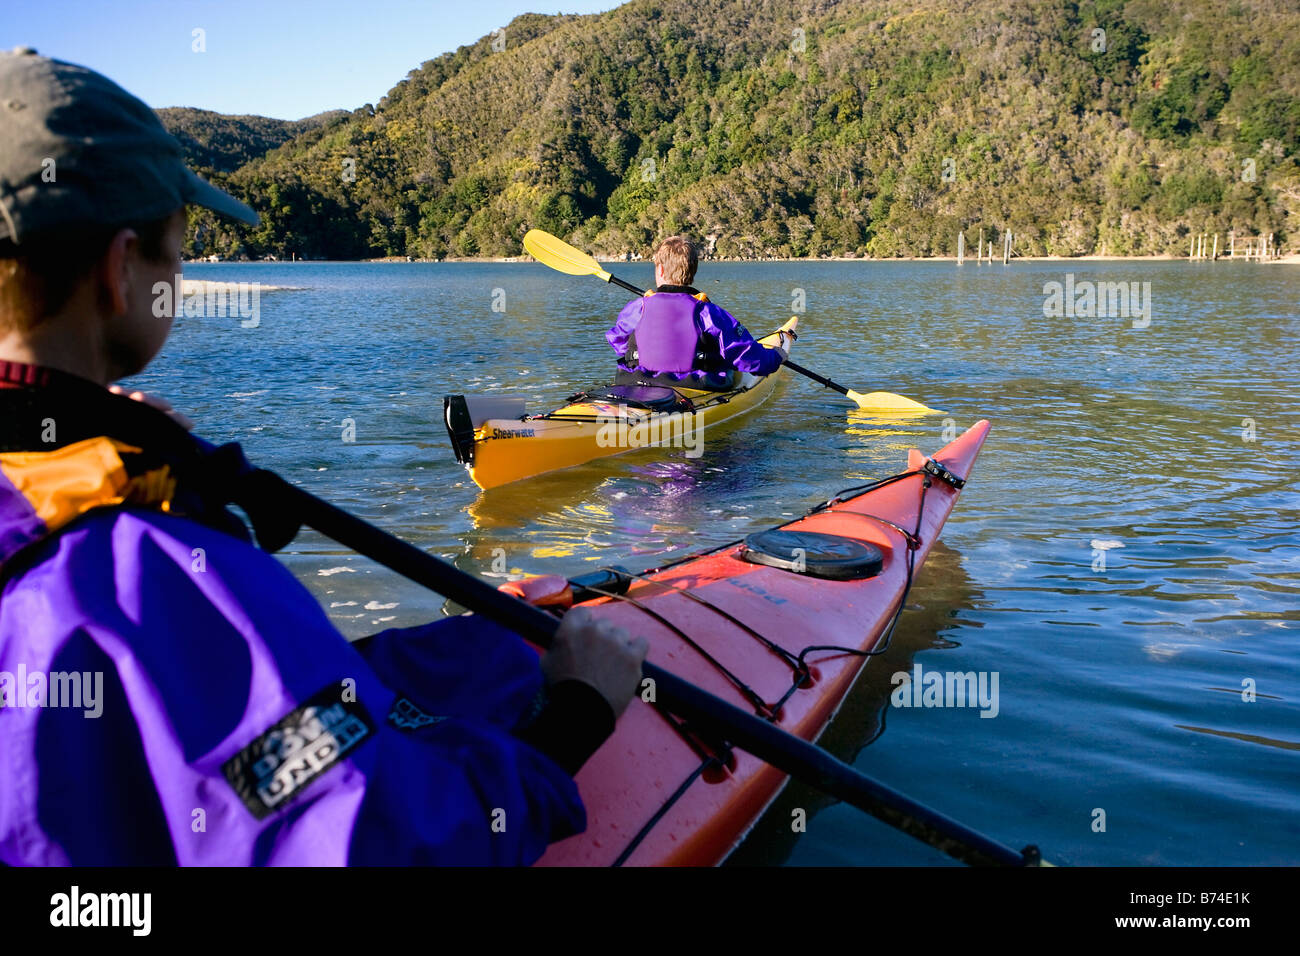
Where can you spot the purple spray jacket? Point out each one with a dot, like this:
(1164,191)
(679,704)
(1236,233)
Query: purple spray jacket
(672,327)
(173,695)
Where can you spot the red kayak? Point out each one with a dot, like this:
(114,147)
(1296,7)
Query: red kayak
(776,624)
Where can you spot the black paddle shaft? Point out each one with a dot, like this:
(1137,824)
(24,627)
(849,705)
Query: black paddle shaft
(815,377)
(788,753)
(626,285)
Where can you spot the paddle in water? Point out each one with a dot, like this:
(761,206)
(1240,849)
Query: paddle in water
(562,257)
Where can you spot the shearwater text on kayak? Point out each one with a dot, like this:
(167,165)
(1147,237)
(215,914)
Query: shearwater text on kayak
(634,429)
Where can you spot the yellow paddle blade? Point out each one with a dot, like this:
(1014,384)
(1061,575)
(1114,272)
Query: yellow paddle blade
(561,256)
(889,402)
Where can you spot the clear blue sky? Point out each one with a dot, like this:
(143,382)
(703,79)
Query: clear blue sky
(281,58)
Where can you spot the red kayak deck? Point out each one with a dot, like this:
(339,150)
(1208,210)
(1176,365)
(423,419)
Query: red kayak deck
(653,795)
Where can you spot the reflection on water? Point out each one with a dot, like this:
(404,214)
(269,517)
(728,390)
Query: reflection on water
(876,432)
(1154,677)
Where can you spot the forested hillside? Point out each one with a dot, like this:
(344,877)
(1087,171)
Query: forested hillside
(216,143)
(779,127)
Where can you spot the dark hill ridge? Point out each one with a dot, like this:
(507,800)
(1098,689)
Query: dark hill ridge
(219,143)
(881,129)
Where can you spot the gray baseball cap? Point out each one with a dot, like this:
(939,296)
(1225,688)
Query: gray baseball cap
(76,149)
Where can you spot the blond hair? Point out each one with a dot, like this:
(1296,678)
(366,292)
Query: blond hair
(677,258)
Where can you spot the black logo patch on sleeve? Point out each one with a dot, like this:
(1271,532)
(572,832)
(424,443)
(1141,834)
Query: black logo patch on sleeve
(406,716)
(275,767)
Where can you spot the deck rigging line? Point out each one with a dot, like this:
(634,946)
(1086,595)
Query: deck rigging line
(797,662)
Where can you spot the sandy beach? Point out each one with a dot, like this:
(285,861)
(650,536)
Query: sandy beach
(204,286)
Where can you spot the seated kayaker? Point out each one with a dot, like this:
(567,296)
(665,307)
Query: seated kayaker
(676,336)
(230,723)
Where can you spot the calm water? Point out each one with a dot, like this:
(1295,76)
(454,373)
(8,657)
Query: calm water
(1120,688)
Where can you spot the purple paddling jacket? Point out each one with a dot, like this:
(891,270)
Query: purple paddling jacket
(173,695)
(676,323)
(223,732)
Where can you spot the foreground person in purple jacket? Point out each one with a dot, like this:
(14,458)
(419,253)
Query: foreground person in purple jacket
(170,694)
(676,336)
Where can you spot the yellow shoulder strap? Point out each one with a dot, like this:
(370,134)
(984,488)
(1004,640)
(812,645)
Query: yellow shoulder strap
(68,481)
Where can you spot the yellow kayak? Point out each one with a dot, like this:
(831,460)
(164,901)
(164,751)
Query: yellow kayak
(499,443)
